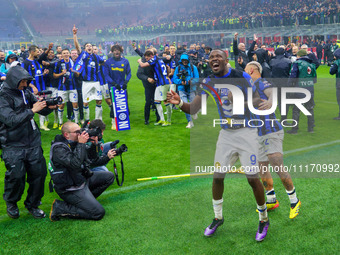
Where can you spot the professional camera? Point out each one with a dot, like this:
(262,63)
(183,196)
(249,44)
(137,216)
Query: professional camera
(53,101)
(120,150)
(93,132)
(87,173)
(182,74)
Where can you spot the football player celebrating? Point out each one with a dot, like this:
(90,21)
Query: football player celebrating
(234,141)
(271,139)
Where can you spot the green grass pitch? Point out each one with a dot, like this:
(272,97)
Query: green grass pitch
(169,216)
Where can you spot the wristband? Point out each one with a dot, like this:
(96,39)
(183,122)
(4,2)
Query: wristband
(180,104)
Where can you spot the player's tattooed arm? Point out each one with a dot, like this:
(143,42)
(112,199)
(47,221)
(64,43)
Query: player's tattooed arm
(267,104)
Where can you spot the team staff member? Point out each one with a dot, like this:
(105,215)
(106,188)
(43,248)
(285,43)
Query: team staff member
(335,69)
(117,73)
(162,84)
(21,143)
(234,142)
(240,53)
(303,75)
(73,182)
(88,65)
(271,138)
(146,75)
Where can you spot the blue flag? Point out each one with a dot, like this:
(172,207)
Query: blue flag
(120,108)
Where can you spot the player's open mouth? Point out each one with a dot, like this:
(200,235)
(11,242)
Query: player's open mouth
(215,66)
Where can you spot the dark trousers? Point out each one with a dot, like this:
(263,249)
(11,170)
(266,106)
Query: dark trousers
(283,117)
(80,104)
(338,95)
(149,100)
(82,204)
(310,119)
(20,162)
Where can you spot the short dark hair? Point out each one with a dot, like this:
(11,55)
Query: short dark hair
(32,48)
(65,49)
(149,53)
(225,54)
(117,47)
(87,44)
(97,123)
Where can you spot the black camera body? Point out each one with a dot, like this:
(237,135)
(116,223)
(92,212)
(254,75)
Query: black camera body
(53,101)
(120,150)
(87,173)
(93,132)
(182,74)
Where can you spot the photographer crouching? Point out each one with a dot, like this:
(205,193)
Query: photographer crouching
(21,142)
(73,180)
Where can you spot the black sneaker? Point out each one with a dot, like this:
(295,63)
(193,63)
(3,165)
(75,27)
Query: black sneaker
(53,213)
(146,122)
(336,118)
(37,213)
(12,210)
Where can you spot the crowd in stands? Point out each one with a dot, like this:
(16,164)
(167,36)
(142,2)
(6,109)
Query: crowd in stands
(217,15)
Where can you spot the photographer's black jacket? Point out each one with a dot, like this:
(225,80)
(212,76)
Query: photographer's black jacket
(17,126)
(93,153)
(68,161)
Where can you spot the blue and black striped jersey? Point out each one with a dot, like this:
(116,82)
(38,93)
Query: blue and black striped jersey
(67,81)
(88,65)
(270,124)
(35,69)
(234,77)
(160,71)
(101,75)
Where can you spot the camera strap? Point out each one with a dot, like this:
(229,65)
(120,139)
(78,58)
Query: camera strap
(116,171)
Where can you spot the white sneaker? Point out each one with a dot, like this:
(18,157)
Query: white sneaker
(190,124)
(195,116)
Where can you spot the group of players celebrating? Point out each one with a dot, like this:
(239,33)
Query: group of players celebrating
(255,147)
(77,76)
(240,141)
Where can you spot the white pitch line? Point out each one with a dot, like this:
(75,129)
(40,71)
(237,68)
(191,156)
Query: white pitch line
(311,147)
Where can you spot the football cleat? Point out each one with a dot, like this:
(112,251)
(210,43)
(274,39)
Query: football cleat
(166,123)
(55,125)
(271,206)
(44,128)
(294,210)
(113,127)
(161,122)
(262,230)
(211,229)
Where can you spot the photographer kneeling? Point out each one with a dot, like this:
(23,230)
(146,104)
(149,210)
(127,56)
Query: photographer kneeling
(73,180)
(185,76)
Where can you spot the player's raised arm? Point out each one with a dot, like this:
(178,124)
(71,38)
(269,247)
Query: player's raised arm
(75,39)
(192,108)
